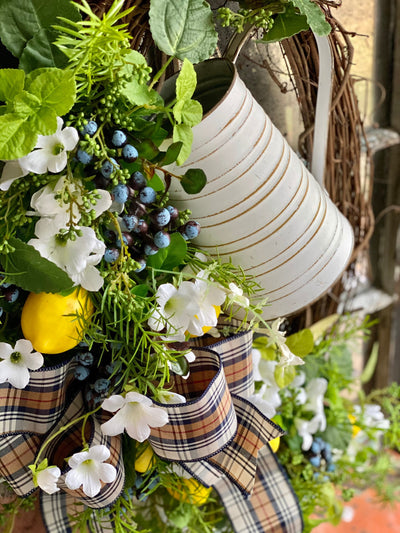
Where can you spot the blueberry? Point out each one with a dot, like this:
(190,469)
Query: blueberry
(11,294)
(315,461)
(137,181)
(108,167)
(85,358)
(83,157)
(129,153)
(148,195)
(109,235)
(161,217)
(162,239)
(111,255)
(142,265)
(191,229)
(120,193)
(81,372)
(89,128)
(316,447)
(111,367)
(150,249)
(119,138)
(331,467)
(101,385)
(173,212)
(130,221)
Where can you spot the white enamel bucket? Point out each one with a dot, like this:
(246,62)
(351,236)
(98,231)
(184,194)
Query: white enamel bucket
(261,208)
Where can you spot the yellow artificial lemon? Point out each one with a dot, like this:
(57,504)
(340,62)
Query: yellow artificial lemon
(207,328)
(191,491)
(355,429)
(274,443)
(145,460)
(51,323)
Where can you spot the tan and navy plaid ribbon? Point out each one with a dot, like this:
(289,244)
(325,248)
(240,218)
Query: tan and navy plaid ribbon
(218,436)
(28,417)
(221,439)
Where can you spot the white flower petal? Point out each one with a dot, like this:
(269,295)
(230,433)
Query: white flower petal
(47,479)
(99,453)
(12,170)
(90,279)
(114,426)
(57,163)
(103,203)
(155,416)
(69,137)
(133,396)
(113,403)
(170,398)
(15,374)
(23,346)
(73,479)
(139,432)
(36,161)
(107,473)
(91,485)
(33,361)
(5,350)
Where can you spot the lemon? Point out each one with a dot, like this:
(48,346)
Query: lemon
(274,443)
(145,460)
(191,491)
(207,328)
(49,321)
(355,429)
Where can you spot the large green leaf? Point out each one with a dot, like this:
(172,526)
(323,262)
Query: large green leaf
(16,136)
(186,81)
(11,83)
(301,343)
(29,270)
(20,21)
(40,52)
(55,88)
(285,25)
(183,28)
(315,16)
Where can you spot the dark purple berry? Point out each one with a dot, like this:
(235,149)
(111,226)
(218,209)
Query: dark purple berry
(161,217)
(142,227)
(127,239)
(109,235)
(129,153)
(137,181)
(148,195)
(130,221)
(119,138)
(137,208)
(111,255)
(89,128)
(11,294)
(83,157)
(173,212)
(162,239)
(120,193)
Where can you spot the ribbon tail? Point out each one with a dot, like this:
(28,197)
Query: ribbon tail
(273,506)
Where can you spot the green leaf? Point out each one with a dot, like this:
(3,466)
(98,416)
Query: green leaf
(140,94)
(44,121)
(284,375)
(157,260)
(21,20)
(157,183)
(41,52)
(29,270)
(11,83)
(140,290)
(183,133)
(315,16)
(55,87)
(338,433)
(301,343)
(183,28)
(286,25)
(25,104)
(194,180)
(177,251)
(180,366)
(148,150)
(16,137)
(188,112)
(186,81)
(171,154)
(370,367)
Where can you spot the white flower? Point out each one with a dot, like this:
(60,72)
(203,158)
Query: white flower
(275,335)
(315,391)
(262,405)
(135,413)
(373,416)
(47,479)
(169,397)
(288,358)
(89,470)
(175,308)
(209,296)
(17,361)
(50,154)
(306,429)
(235,296)
(76,257)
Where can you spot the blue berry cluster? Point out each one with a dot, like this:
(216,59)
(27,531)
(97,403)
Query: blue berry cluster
(321,453)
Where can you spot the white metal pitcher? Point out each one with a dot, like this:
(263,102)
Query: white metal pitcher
(261,208)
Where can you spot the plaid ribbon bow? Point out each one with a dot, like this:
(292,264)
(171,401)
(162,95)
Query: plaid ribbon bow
(28,417)
(221,439)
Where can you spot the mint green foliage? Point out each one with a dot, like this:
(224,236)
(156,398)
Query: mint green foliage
(321,493)
(33,103)
(315,19)
(286,24)
(183,28)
